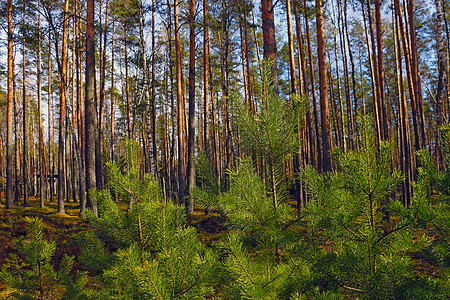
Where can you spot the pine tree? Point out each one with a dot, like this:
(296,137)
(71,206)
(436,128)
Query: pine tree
(258,228)
(35,277)
(257,210)
(158,256)
(434,213)
(272,132)
(365,254)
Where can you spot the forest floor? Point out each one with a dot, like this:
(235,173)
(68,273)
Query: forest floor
(63,228)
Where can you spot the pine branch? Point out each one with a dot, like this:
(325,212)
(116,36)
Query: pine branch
(152,282)
(240,263)
(195,282)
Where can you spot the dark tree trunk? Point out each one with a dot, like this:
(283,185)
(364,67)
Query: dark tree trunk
(189,205)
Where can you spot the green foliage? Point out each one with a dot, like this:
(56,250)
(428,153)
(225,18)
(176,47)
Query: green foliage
(256,210)
(433,213)
(209,187)
(359,236)
(250,209)
(253,267)
(271,133)
(157,256)
(35,277)
(252,277)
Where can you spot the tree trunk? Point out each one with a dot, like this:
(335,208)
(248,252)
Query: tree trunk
(99,153)
(270,46)
(380,69)
(113,109)
(91,113)
(41,131)
(318,147)
(127,86)
(24,126)
(153,100)
(247,60)
(409,70)
(370,40)
(342,33)
(17,141)
(323,84)
(206,112)
(189,204)
(73,104)
(62,113)
(405,146)
(180,106)
(50,122)
(9,121)
(415,75)
(293,78)
(303,87)
(442,64)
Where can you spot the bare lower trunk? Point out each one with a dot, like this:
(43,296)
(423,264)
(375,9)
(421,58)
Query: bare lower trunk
(189,205)
(9,122)
(91,114)
(180,109)
(324,109)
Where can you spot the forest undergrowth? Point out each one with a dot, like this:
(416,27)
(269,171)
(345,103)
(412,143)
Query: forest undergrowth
(211,229)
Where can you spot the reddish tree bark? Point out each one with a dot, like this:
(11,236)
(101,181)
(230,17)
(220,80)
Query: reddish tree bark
(270,46)
(323,83)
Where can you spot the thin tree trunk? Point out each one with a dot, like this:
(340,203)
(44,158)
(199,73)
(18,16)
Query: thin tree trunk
(189,204)
(318,147)
(342,33)
(415,74)
(9,121)
(74,117)
(405,152)
(380,70)
(50,122)
(352,63)
(62,126)
(303,85)
(180,106)
(127,87)
(406,51)
(80,110)
(370,40)
(442,62)
(17,140)
(91,114)
(24,127)
(113,109)
(99,142)
(206,80)
(247,60)
(153,100)
(293,78)
(41,131)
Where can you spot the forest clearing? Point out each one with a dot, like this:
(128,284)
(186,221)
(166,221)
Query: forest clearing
(224,149)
